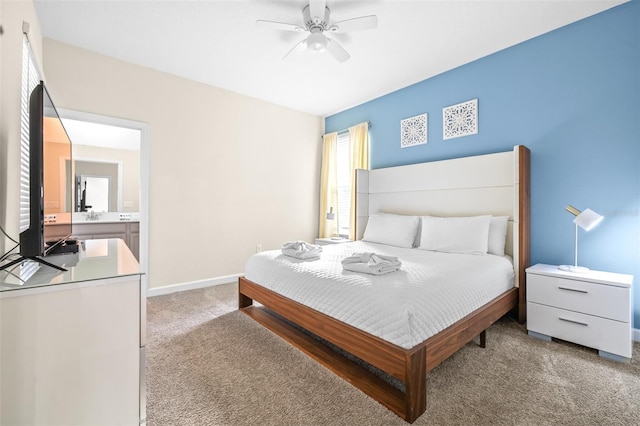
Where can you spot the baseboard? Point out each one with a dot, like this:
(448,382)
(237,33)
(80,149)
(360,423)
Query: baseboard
(168,289)
(636,334)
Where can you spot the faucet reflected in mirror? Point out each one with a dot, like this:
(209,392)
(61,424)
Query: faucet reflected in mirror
(93,215)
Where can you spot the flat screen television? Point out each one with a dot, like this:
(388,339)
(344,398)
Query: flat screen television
(49,182)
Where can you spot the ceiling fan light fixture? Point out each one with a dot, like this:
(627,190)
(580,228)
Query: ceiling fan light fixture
(317,42)
(316,18)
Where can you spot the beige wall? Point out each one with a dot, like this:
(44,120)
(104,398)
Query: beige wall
(130,161)
(12,14)
(227,171)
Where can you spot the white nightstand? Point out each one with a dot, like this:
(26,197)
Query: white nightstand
(327,241)
(592,309)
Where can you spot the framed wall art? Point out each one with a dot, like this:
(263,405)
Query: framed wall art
(413,131)
(460,119)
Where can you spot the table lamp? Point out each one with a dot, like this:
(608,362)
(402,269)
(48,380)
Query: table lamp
(586,220)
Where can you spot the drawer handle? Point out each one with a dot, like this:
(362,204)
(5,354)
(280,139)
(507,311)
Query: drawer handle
(573,321)
(573,289)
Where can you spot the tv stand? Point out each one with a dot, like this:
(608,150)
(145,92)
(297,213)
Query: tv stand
(35,259)
(75,341)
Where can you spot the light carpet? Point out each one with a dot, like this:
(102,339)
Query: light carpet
(209,364)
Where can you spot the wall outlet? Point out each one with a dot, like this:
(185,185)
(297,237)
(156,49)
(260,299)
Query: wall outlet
(258,248)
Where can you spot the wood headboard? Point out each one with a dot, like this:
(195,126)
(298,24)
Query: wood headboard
(496,184)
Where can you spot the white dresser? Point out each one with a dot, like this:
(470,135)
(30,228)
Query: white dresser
(73,342)
(591,309)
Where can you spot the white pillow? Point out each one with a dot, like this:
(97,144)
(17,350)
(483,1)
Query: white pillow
(497,235)
(467,235)
(392,229)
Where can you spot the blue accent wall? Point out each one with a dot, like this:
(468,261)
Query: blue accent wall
(573,97)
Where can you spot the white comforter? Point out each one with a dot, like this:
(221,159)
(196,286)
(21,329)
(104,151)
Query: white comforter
(430,291)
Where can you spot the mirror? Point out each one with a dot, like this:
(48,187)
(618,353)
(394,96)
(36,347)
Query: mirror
(107,160)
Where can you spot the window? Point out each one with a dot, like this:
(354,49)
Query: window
(30,79)
(344,183)
(342,154)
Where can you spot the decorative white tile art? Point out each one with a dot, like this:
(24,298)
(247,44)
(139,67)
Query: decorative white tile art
(413,131)
(460,119)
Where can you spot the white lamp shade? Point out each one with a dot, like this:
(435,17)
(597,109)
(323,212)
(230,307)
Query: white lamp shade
(588,219)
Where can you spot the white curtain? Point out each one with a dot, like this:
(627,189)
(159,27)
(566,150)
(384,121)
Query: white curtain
(329,186)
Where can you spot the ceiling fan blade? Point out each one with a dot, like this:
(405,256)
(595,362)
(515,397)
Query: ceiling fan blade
(279,26)
(297,48)
(316,9)
(337,51)
(355,24)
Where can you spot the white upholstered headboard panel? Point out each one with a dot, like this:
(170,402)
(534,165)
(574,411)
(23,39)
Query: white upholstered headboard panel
(483,184)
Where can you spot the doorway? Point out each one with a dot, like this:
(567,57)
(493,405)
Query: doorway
(117,135)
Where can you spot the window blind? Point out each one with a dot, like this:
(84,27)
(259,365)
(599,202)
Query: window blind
(30,79)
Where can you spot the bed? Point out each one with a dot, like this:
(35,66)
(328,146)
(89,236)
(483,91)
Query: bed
(406,345)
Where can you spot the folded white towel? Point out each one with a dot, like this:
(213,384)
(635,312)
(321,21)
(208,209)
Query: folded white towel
(371,259)
(371,263)
(364,269)
(301,250)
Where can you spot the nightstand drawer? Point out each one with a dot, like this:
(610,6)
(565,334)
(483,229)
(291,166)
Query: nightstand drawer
(599,333)
(589,298)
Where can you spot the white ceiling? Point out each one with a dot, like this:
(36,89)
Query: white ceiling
(218,43)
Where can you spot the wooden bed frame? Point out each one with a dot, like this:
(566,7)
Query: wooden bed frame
(407,365)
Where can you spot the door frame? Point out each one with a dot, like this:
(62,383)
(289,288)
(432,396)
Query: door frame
(144,129)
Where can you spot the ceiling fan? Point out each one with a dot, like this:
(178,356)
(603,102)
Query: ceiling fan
(315,18)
